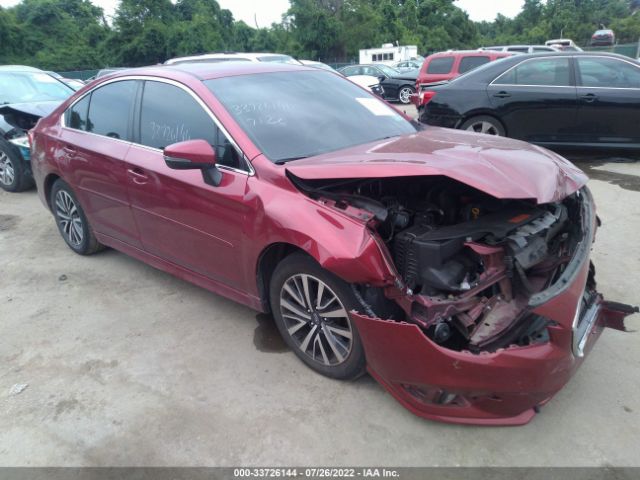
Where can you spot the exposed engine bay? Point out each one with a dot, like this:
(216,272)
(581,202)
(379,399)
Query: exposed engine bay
(20,122)
(470,262)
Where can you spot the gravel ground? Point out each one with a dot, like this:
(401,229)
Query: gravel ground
(107,361)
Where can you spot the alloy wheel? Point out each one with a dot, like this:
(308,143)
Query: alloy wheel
(405,95)
(483,127)
(7,172)
(316,319)
(69,218)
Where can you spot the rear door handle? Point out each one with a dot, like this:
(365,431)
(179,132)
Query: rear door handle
(590,97)
(502,94)
(138,176)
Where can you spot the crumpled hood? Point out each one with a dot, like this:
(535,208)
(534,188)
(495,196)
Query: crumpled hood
(501,167)
(37,109)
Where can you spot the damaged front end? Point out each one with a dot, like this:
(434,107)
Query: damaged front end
(494,304)
(18,119)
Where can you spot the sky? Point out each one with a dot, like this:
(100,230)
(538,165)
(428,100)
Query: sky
(265,12)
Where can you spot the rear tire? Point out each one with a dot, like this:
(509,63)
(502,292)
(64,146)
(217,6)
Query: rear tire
(484,124)
(71,220)
(301,294)
(15,175)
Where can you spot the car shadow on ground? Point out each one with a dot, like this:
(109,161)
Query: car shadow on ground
(595,166)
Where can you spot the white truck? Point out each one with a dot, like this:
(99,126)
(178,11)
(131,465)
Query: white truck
(388,54)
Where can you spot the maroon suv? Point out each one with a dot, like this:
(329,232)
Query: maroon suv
(444,66)
(453,267)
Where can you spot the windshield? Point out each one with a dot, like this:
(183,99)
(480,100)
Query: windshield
(292,115)
(279,59)
(388,71)
(24,87)
(321,66)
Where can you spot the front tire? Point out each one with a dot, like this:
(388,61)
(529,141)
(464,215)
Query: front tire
(484,124)
(311,309)
(15,175)
(404,94)
(71,220)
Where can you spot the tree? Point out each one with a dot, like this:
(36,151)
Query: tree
(316,28)
(72,34)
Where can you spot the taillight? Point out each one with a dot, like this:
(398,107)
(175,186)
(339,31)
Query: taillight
(426,96)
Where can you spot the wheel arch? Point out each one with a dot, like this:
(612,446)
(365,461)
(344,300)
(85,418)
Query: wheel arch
(357,261)
(47,185)
(268,260)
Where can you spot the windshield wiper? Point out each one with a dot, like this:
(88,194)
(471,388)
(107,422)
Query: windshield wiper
(291,159)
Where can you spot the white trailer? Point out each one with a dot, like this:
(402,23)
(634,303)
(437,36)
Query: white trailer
(388,54)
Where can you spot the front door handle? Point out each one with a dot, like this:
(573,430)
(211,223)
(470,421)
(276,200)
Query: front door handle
(590,97)
(69,150)
(502,94)
(138,176)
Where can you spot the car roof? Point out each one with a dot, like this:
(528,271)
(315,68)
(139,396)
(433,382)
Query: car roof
(209,71)
(517,45)
(470,53)
(19,68)
(575,54)
(213,56)
(367,65)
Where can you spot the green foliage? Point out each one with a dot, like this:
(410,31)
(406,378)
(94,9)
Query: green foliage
(73,34)
(61,34)
(576,19)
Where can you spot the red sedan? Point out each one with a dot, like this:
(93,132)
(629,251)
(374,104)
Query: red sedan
(453,267)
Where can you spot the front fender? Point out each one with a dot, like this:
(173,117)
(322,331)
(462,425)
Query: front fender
(340,243)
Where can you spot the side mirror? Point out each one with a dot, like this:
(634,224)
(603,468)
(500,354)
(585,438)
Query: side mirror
(194,155)
(382,78)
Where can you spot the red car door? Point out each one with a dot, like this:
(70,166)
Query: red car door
(92,146)
(181,218)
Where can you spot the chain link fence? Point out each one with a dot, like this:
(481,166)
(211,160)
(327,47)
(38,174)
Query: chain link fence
(631,50)
(79,74)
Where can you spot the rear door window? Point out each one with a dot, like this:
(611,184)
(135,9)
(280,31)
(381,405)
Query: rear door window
(469,63)
(110,109)
(539,72)
(440,65)
(607,73)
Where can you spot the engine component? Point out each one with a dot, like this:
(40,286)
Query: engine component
(441,332)
(428,256)
(421,261)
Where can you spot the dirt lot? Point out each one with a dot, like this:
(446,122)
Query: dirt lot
(126,365)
